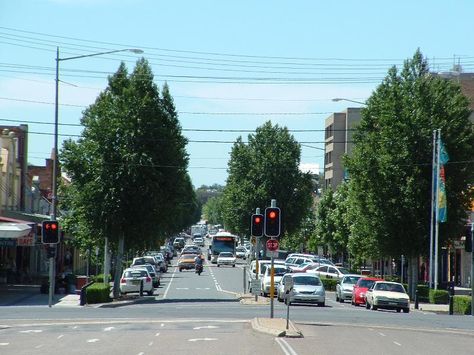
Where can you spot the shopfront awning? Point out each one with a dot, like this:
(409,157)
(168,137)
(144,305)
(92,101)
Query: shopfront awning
(14,230)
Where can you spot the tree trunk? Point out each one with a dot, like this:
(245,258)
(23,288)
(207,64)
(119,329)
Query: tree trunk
(412,276)
(118,266)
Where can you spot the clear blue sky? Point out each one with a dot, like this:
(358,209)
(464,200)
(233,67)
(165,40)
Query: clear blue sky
(231,65)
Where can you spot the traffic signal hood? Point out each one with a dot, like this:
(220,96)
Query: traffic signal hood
(257,225)
(50,232)
(272,221)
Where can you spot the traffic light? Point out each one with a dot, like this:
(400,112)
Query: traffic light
(468,241)
(272,222)
(50,232)
(257,225)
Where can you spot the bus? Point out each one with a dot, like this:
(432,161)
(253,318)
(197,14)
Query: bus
(222,241)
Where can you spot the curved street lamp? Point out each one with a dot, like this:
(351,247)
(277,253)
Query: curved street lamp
(336,99)
(55,161)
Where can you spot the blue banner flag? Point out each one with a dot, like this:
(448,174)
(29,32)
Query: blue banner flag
(442,202)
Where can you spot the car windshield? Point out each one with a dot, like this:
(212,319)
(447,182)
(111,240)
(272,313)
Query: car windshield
(366,283)
(306,280)
(344,271)
(226,255)
(351,280)
(381,286)
(279,271)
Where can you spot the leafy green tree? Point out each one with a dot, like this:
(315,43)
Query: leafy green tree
(390,167)
(325,226)
(266,168)
(128,169)
(212,210)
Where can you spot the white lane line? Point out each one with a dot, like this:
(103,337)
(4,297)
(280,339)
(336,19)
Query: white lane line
(31,331)
(206,327)
(382,334)
(397,343)
(4,344)
(157,334)
(182,288)
(92,340)
(142,353)
(287,349)
(171,280)
(39,346)
(202,339)
(108,329)
(60,336)
(150,343)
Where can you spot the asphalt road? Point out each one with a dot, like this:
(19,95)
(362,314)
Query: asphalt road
(190,312)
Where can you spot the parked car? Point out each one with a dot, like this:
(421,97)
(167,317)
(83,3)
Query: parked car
(155,276)
(279,271)
(345,286)
(148,259)
(330,272)
(387,295)
(186,261)
(307,288)
(225,258)
(360,289)
(132,279)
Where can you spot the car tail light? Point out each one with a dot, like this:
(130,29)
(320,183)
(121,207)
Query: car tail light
(123,281)
(148,279)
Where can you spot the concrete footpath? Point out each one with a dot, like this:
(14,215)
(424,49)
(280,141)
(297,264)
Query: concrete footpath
(30,295)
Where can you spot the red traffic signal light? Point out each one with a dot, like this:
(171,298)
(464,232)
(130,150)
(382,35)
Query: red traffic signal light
(50,232)
(257,225)
(272,221)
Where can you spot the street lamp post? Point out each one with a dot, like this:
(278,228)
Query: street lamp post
(54,182)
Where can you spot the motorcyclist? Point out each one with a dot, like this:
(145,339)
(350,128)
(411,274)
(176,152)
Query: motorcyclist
(198,261)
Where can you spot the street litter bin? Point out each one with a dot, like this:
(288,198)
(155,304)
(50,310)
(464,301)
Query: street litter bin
(81,281)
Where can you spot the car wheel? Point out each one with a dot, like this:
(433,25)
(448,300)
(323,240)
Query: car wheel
(353,303)
(337,297)
(398,310)
(233,265)
(373,307)
(406,310)
(150,293)
(218,265)
(321,304)
(180,270)
(367,305)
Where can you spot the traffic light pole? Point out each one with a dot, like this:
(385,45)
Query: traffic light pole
(272,274)
(257,243)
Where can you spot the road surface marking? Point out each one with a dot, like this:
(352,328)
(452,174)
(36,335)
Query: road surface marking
(60,336)
(157,334)
(31,331)
(142,353)
(39,346)
(150,343)
(182,288)
(4,344)
(287,349)
(171,280)
(108,329)
(202,339)
(397,343)
(382,334)
(92,340)
(206,327)
(162,324)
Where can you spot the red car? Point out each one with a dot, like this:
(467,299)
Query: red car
(360,288)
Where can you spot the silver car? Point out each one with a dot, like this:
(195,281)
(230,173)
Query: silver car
(345,286)
(307,288)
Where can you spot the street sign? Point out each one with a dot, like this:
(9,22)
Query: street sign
(256,286)
(272,244)
(271,253)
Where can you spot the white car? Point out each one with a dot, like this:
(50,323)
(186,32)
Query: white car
(345,287)
(279,271)
(330,272)
(132,279)
(242,252)
(198,241)
(387,295)
(226,258)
